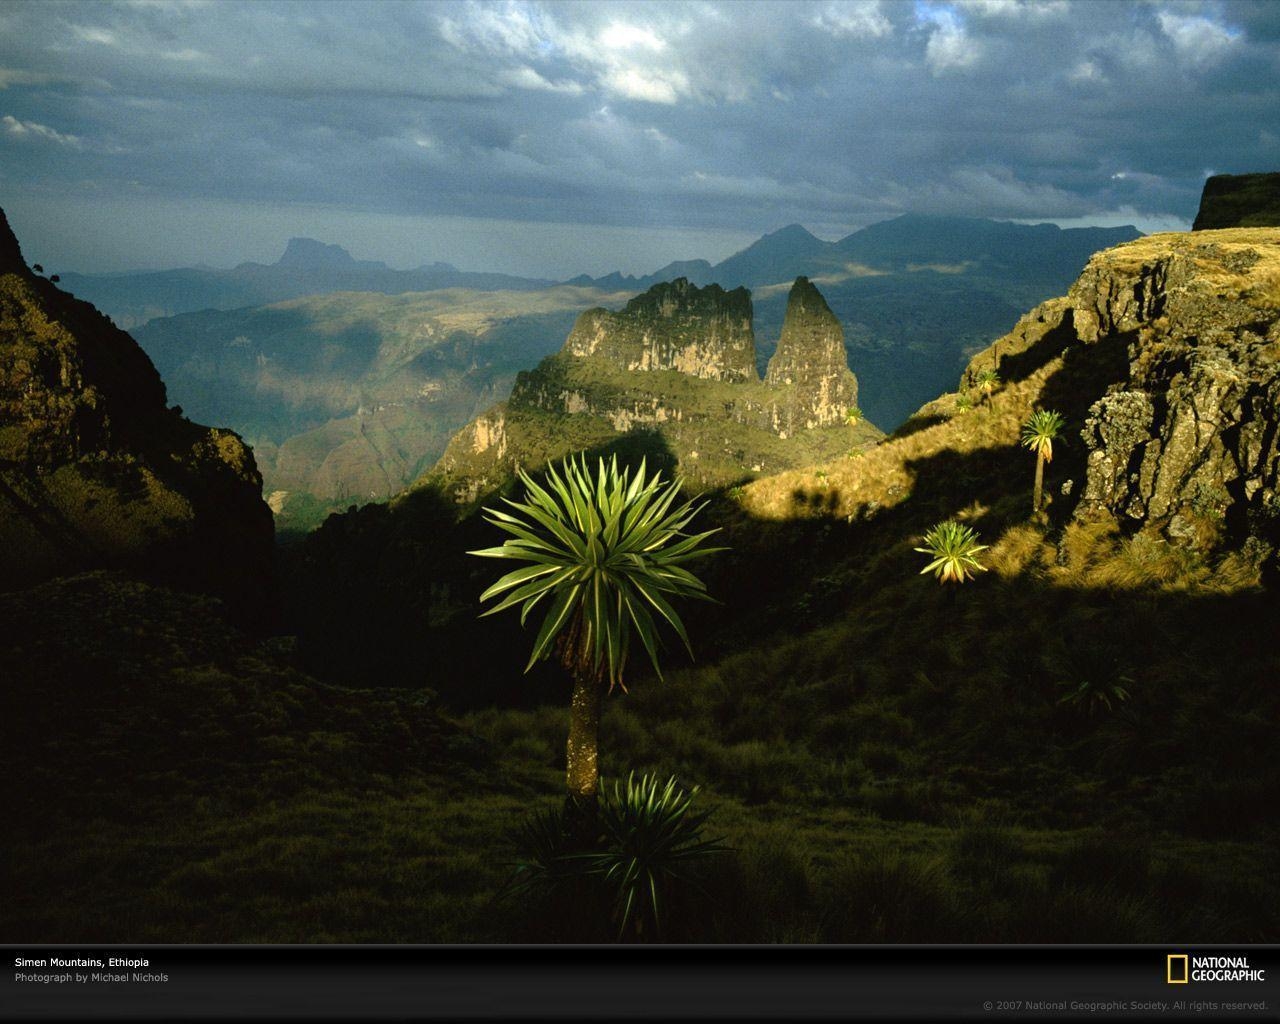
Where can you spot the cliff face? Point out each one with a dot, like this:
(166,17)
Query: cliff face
(1189,441)
(96,471)
(1239,201)
(677,365)
(704,332)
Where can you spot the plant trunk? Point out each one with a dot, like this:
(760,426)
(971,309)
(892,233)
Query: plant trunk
(1035,497)
(582,773)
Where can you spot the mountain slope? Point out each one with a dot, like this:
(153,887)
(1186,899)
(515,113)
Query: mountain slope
(97,471)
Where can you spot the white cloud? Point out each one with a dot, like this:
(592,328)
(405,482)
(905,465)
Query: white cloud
(1201,40)
(618,57)
(621,36)
(861,19)
(950,47)
(1015,8)
(1086,72)
(94,34)
(652,86)
(30,131)
(509,28)
(525,77)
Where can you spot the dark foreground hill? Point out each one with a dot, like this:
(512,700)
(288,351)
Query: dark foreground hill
(96,470)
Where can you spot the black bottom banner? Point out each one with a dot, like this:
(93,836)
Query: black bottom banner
(794,983)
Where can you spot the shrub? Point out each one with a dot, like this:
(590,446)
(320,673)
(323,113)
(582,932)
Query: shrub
(645,855)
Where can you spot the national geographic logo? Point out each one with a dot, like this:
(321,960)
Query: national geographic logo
(1182,968)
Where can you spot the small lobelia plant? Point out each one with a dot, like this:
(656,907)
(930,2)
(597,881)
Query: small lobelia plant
(953,551)
(986,382)
(853,415)
(964,402)
(1090,697)
(648,845)
(652,841)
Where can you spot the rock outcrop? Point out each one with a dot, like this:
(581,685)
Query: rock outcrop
(704,332)
(811,364)
(1190,440)
(677,365)
(1181,411)
(97,472)
(1239,201)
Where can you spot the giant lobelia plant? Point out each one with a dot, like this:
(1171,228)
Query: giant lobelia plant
(606,552)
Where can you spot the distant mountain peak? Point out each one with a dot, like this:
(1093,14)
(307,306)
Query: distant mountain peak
(792,232)
(308,253)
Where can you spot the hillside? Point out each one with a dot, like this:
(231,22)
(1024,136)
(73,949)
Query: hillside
(348,397)
(96,471)
(675,370)
(307,267)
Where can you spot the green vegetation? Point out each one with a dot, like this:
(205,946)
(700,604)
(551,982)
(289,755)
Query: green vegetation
(953,549)
(647,854)
(1038,436)
(608,549)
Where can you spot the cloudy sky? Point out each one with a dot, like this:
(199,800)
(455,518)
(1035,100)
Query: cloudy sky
(547,138)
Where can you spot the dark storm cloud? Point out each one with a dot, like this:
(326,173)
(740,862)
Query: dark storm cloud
(736,117)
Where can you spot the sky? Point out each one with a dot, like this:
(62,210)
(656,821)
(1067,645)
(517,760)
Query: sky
(551,139)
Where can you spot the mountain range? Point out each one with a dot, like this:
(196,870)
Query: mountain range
(350,397)
(307,267)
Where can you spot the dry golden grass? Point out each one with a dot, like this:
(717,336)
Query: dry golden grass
(879,477)
(1213,253)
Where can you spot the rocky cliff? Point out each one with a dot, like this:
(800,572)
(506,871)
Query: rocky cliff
(704,332)
(1239,201)
(1164,360)
(676,366)
(1188,441)
(97,471)
(1179,408)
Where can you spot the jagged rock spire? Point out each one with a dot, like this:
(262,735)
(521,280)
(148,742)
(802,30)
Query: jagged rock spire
(811,364)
